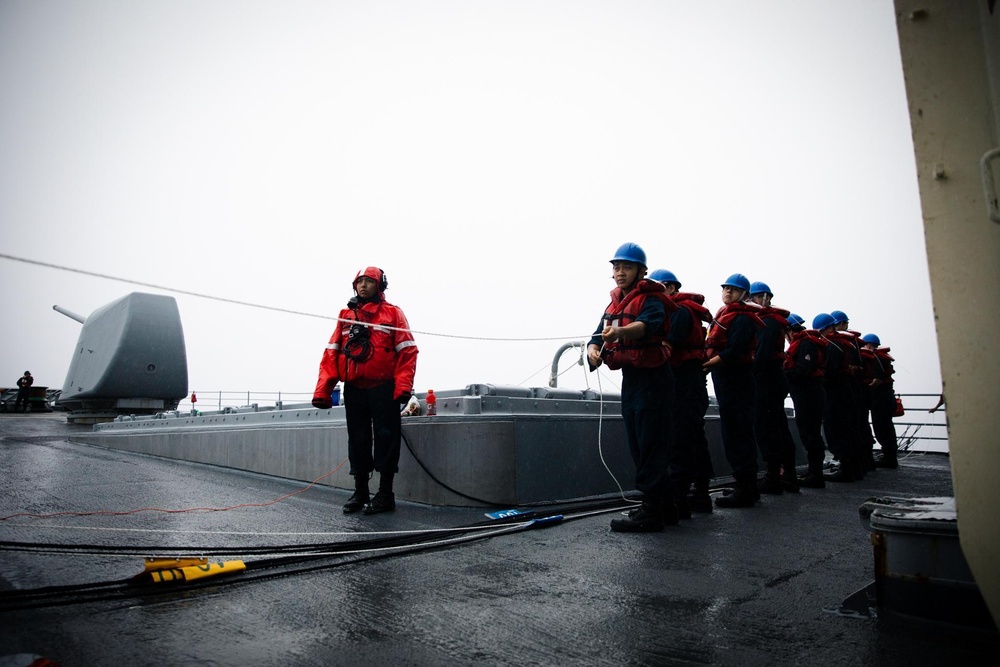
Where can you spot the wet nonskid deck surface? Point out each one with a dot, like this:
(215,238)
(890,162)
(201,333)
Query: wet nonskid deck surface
(761,586)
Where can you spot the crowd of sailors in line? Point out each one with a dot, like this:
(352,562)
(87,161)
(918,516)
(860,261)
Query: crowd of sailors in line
(666,342)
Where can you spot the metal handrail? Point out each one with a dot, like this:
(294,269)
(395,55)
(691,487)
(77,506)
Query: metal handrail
(911,430)
(220,399)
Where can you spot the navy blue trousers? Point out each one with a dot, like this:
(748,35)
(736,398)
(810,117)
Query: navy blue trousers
(770,419)
(736,391)
(372,419)
(647,394)
(810,399)
(690,458)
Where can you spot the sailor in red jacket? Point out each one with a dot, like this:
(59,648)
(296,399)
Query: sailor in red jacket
(857,436)
(691,462)
(803,366)
(731,342)
(373,352)
(774,438)
(883,400)
(632,336)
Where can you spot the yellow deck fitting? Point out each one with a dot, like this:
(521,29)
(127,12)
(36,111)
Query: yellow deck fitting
(197,571)
(154,564)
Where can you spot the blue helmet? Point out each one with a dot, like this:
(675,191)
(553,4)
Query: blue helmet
(871,339)
(822,321)
(795,320)
(839,316)
(664,276)
(739,281)
(630,252)
(760,288)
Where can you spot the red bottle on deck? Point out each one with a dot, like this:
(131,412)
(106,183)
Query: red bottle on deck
(432,403)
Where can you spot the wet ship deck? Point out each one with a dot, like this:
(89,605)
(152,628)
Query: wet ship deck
(765,586)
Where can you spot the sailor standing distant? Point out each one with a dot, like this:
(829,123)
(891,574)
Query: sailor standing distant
(631,336)
(857,411)
(883,400)
(731,342)
(838,413)
(373,352)
(691,462)
(777,447)
(860,381)
(23,392)
(803,367)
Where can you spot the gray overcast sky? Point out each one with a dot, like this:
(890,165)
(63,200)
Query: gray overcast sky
(489,156)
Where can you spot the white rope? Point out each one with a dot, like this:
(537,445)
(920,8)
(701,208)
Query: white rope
(274,308)
(600,432)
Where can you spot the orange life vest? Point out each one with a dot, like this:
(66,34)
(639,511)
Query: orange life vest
(718,332)
(651,350)
(692,347)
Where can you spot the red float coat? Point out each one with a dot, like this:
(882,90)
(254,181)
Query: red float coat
(883,369)
(393,352)
(867,365)
(651,350)
(718,332)
(849,342)
(692,347)
(792,353)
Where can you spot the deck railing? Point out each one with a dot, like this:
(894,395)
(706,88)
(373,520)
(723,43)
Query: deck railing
(219,400)
(918,430)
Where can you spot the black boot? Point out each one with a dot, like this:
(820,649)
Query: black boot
(674,510)
(744,494)
(788,479)
(647,518)
(384,500)
(844,474)
(771,483)
(888,460)
(813,478)
(360,497)
(699,500)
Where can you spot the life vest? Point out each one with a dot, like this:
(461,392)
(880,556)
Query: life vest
(780,317)
(848,340)
(868,362)
(792,354)
(650,351)
(836,362)
(376,350)
(691,348)
(718,332)
(884,362)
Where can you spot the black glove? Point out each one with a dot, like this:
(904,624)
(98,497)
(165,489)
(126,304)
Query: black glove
(322,402)
(404,397)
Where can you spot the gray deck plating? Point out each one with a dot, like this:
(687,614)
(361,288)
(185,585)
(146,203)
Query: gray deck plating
(488,445)
(764,586)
